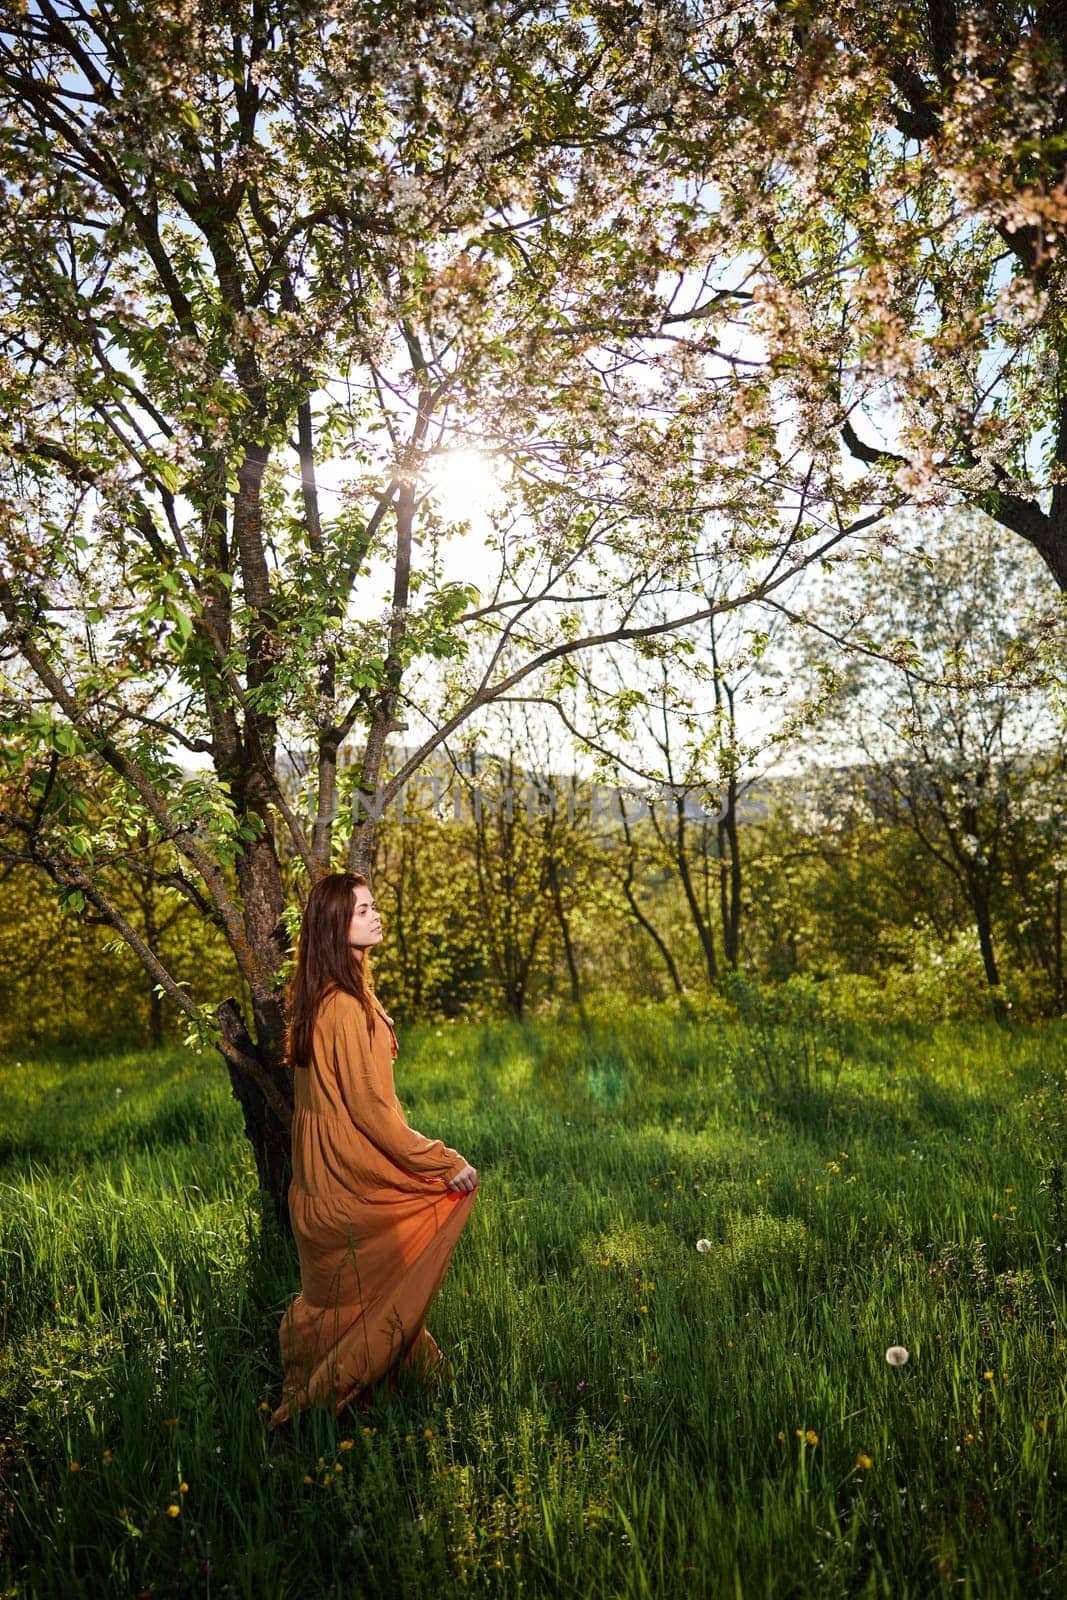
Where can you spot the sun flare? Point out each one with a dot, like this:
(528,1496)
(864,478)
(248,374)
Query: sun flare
(465,485)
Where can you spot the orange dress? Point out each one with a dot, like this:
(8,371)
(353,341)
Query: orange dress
(374,1223)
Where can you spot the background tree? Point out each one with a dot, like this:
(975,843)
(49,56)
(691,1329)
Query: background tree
(434,961)
(945,708)
(68,981)
(686,721)
(528,840)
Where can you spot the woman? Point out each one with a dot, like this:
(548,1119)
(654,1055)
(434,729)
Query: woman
(376,1208)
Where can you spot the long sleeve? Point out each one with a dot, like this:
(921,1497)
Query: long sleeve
(375,1112)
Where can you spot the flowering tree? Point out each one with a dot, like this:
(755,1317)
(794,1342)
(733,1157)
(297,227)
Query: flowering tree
(246,245)
(889,186)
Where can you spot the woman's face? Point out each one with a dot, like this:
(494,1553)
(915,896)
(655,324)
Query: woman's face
(364,928)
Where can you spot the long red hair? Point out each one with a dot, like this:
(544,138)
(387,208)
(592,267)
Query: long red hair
(324,961)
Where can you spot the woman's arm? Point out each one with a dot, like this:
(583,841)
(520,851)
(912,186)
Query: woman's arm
(373,1113)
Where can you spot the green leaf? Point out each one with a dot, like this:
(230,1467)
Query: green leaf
(182,620)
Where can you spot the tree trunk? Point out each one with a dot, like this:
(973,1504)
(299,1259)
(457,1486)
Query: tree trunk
(704,933)
(552,868)
(983,923)
(730,878)
(267,1135)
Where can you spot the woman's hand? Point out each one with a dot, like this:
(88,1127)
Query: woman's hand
(464,1181)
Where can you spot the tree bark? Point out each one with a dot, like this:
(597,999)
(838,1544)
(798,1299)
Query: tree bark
(266,1134)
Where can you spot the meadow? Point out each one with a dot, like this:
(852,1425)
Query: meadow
(626,1415)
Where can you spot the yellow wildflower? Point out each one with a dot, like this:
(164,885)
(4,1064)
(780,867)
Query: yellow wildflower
(863,1462)
(173,1510)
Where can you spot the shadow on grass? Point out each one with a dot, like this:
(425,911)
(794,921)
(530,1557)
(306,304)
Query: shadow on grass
(850,1109)
(87,1112)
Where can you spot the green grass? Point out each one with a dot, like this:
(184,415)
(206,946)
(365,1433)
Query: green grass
(626,1416)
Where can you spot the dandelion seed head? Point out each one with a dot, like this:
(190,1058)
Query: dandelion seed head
(703,1246)
(896,1355)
